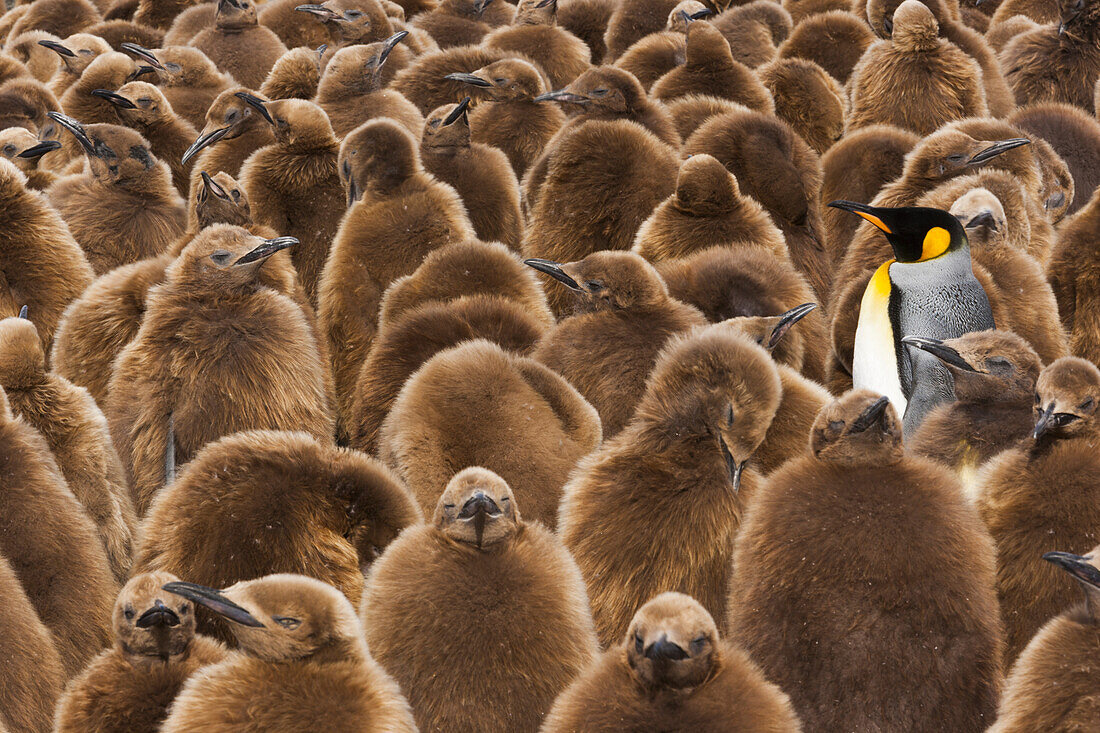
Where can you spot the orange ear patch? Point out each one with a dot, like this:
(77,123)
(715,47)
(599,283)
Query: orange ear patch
(936,242)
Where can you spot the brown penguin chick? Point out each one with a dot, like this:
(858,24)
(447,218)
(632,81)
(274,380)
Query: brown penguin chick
(707,209)
(994,374)
(107,71)
(294,30)
(952,86)
(1075,138)
(777,168)
(835,40)
(27,48)
(52,545)
(484,406)
(1058,192)
(709,68)
(189,80)
(143,107)
(478,554)
(1076,280)
(293,184)
(587,20)
(651,57)
(9,18)
(62,18)
(10,68)
(76,432)
(425,82)
(299,640)
(624,318)
(24,150)
(75,53)
(159,405)
(807,99)
(160,13)
(234,130)
(130,686)
(33,677)
(754,30)
(873,608)
(510,119)
(362,22)
(631,21)
(116,32)
(188,24)
(41,265)
(351,90)
(398,214)
(238,45)
(672,672)
(534,32)
(1043,494)
(123,208)
(481,174)
(315,509)
(455,23)
(658,506)
(295,75)
(1051,686)
(1059,62)
(412,338)
(999,34)
(1041,12)
(690,112)
(855,169)
(801,10)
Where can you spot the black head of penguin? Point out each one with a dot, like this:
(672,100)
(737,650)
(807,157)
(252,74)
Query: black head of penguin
(916,233)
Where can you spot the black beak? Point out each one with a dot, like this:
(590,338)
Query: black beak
(390,42)
(257,103)
(319,10)
(480,6)
(871,415)
(561,95)
(23,313)
(700,14)
(788,319)
(474,81)
(230,3)
(940,350)
(664,650)
(1055,201)
(685,16)
(996,149)
(159,615)
(734,468)
(984,219)
(479,507)
(266,249)
(37,151)
(203,141)
(57,48)
(1076,565)
(353,187)
(114,98)
(212,186)
(140,72)
(888,24)
(1044,423)
(76,129)
(140,52)
(214,600)
(553,269)
(546,3)
(457,112)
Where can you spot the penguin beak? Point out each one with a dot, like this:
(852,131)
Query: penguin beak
(1076,565)
(480,6)
(214,600)
(788,319)
(686,17)
(940,350)
(114,98)
(871,415)
(159,615)
(37,151)
(140,52)
(320,11)
(546,4)
(57,48)
(984,219)
(664,650)
(76,129)
(257,104)
(391,42)
(212,187)
(1044,423)
(734,468)
(561,95)
(23,313)
(474,81)
(996,149)
(140,72)
(869,213)
(1055,201)
(700,14)
(457,112)
(553,269)
(203,141)
(267,248)
(479,508)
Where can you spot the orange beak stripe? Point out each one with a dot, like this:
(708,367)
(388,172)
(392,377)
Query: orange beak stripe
(875,220)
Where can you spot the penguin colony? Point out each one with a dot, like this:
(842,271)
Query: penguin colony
(575,366)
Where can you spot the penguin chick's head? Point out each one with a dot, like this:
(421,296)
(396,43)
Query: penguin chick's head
(985,365)
(1079,19)
(983,218)
(914,28)
(284,617)
(477,508)
(377,156)
(116,155)
(447,127)
(220,200)
(176,66)
(150,622)
(235,15)
(535,12)
(77,51)
(1085,569)
(1066,395)
(224,256)
(298,125)
(860,427)
(137,103)
(227,117)
(684,13)
(608,280)
(775,334)
(353,21)
(948,153)
(916,233)
(603,91)
(672,643)
(707,48)
(23,148)
(358,68)
(22,361)
(507,80)
(705,188)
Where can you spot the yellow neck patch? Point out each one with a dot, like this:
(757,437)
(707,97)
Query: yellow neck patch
(936,242)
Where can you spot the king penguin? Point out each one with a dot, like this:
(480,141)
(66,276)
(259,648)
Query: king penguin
(928,290)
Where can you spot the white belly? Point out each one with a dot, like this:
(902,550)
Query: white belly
(874,361)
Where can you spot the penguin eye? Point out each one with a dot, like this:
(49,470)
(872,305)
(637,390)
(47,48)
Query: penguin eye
(353,13)
(729,415)
(287,622)
(998,364)
(836,425)
(599,92)
(220,257)
(145,102)
(1087,404)
(231,115)
(172,67)
(499,81)
(236,195)
(1037,400)
(184,609)
(9,150)
(697,644)
(448,506)
(593,285)
(128,613)
(639,643)
(85,52)
(957,158)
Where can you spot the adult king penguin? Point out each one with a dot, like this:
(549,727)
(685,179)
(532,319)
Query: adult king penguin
(927,290)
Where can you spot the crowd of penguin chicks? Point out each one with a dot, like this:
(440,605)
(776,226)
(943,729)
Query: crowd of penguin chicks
(464,366)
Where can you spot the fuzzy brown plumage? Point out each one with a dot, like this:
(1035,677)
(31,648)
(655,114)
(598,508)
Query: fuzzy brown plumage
(238,45)
(658,507)
(1075,138)
(295,75)
(16,140)
(351,91)
(190,81)
(189,24)
(86,48)
(245,132)
(848,38)
(169,136)
(535,34)
(690,112)
(631,20)
(108,70)
(587,20)
(1076,280)
(455,23)
(130,686)
(484,406)
(652,56)
(798,562)
(807,99)
(40,61)
(754,30)
(520,654)
(424,82)
(715,688)
(116,32)
(293,29)
(62,18)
